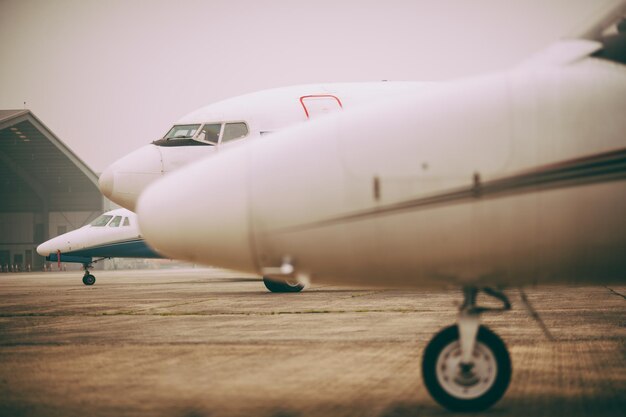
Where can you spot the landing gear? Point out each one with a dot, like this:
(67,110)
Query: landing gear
(467,367)
(88,279)
(282,286)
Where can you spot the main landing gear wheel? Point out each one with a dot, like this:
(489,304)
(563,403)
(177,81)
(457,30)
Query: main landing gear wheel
(282,286)
(475,386)
(89,279)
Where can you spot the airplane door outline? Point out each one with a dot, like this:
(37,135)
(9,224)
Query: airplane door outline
(327,98)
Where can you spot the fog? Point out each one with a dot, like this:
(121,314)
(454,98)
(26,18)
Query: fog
(109,77)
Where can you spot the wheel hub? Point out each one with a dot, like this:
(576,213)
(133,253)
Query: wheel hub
(466,376)
(466,381)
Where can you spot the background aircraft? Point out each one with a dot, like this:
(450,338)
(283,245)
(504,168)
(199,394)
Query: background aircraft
(503,180)
(114,234)
(225,123)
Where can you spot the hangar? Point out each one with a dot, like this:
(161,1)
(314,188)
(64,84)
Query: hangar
(45,190)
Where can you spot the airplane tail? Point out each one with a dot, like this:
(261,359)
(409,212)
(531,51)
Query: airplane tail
(602,17)
(591,38)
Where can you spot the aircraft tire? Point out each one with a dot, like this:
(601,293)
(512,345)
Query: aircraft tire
(480,388)
(281,286)
(89,279)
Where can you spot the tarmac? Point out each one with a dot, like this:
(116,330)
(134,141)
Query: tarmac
(208,342)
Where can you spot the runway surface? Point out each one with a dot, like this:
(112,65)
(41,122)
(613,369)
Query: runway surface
(216,343)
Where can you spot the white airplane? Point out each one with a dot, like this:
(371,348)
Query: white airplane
(504,180)
(114,234)
(224,124)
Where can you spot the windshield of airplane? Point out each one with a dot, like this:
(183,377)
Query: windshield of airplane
(182,132)
(234,131)
(116,221)
(210,133)
(101,221)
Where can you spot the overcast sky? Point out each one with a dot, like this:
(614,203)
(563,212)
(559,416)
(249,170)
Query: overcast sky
(110,76)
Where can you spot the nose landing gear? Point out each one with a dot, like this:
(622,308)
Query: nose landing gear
(467,367)
(88,279)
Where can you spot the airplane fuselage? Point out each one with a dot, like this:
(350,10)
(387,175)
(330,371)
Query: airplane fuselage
(114,234)
(235,120)
(503,180)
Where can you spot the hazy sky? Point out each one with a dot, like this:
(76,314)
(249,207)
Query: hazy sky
(110,76)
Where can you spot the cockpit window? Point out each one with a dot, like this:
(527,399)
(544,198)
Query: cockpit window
(126,222)
(116,221)
(234,131)
(210,133)
(182,132)
(101,221)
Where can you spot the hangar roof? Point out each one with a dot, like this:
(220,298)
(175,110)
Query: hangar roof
(38,172)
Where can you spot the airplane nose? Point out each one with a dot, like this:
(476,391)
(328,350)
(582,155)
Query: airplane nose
(124,180)
(200,213)
(62,243)
(44,249)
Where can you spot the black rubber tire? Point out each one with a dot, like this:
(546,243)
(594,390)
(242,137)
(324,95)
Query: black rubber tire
(89,279)
(493,394)
(281,286)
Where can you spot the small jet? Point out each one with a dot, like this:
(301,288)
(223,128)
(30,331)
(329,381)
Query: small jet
(504,180)
(114,234)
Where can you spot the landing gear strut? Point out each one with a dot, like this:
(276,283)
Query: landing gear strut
(88,279)
(467,367)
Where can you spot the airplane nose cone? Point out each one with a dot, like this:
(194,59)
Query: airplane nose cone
(44,249)
(62,243)
(200,213)
(124,180)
